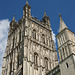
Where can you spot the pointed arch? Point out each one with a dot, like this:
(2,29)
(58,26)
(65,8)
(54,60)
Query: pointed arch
(46,63)
(34,34)
(43,38)
(35,58)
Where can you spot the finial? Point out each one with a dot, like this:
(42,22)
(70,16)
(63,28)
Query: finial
(45,13)
(13,17)
(60,15)
(27,1)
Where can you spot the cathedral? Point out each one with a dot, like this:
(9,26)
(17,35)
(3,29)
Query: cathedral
(31,50)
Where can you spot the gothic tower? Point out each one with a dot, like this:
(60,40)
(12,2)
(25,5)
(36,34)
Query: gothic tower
(66,49)
(30,48)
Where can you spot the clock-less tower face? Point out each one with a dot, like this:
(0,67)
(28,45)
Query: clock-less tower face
(30,48)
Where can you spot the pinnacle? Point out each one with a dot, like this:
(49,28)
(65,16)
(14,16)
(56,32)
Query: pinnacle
(26,1)
(13,17)
(59,15)
(45,13)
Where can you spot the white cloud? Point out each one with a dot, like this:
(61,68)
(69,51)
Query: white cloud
(53,37)
(4,25)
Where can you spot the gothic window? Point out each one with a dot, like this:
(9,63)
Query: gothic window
(35,58)
(47,41)
(61,39)
(17,61)
(13,42)
(46,63)
(10,68)
(50,64)
(43,38)
(66,50)
(63,52)
(20,36)
(67,65)
(64,39)
(34,34)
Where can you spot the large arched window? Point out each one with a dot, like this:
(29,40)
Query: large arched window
(46,63)
(34,34)
(35,59)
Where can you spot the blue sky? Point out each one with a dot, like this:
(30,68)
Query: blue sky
(53,7)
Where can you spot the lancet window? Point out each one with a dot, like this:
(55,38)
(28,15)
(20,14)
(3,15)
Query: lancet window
(35,58)
(17,61)
(46,63)
(43,38)
(20,36)
(10,68)
(34,34)
(13,42)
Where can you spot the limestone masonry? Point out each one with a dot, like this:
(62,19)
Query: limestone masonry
(31,50)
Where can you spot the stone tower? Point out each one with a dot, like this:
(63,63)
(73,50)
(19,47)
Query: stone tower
(30,48)
(66,49)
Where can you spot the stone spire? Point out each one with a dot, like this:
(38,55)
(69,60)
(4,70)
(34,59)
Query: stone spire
(45,13)
(62,24)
